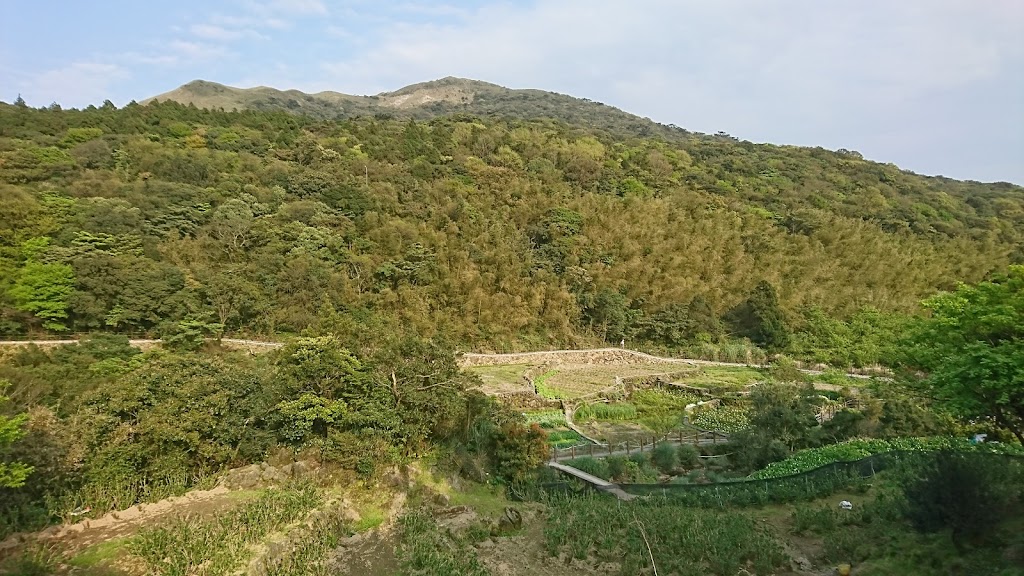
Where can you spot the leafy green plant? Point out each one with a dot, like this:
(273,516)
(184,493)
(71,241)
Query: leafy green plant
(606,412)
(726,419)
(547,391)
(546,418)
(859,448)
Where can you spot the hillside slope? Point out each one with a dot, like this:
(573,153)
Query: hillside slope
(499,233)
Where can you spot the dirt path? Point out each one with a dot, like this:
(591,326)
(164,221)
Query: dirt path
(372,553)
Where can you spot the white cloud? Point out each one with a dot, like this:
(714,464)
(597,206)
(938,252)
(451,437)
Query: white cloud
(299,7)
(75,85)
(218,33)
(187,51)
(680,59)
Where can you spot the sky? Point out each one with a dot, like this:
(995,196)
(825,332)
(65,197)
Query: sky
(934,86)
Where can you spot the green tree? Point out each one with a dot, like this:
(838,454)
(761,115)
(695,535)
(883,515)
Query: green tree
(761,319)
(43,290)
(971,349)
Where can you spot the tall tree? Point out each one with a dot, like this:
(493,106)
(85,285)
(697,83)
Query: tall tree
(971,349)
(43,289)
(761,319)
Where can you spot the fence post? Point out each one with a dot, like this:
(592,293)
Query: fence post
(574,452)
(714,437)
(680,436)
(609,448)
(591,450)
(627,447)
(641,445)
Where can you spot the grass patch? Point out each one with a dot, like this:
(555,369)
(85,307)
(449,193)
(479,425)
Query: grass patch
(484,499)
(426,549)
(501,378)
(99,554)
(369,518)
(682,541)
(726,378)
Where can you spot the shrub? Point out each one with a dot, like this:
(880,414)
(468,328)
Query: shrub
(688,455)
(957,491)
(593,466)
(617,467)
(665,457)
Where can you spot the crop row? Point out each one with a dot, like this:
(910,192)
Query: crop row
(862,447)
(727,419)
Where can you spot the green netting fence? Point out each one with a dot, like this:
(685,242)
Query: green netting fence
(816,483)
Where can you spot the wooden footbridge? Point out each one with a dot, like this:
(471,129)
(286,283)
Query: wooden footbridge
(598,483)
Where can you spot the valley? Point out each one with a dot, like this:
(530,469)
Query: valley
(269,333)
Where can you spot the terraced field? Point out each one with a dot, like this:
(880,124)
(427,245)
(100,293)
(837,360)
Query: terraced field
(569,381)
(502,379)
(572,381)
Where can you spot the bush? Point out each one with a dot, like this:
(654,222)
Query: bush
(617,467)
(688,455)
(665,457)
(593,466)
(958,491)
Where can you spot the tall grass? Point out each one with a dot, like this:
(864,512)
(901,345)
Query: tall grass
(312,555)
(607,412)
(221,543)
(427,550)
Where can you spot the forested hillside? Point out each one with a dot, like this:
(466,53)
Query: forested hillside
(502,234)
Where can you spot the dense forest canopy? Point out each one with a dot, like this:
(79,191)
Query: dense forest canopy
(495,233)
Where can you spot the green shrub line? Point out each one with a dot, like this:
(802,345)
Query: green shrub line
(860,448)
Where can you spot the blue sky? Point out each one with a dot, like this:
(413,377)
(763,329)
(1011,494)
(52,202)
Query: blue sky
(935,86)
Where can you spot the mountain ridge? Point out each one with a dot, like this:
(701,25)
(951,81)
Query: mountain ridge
(454,95)
(421,101)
